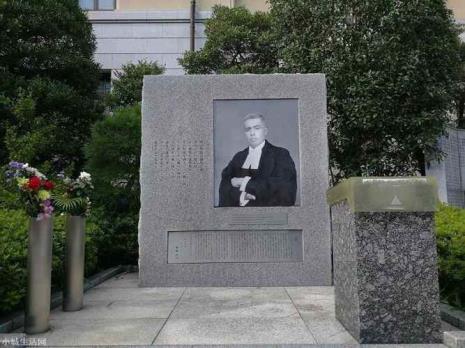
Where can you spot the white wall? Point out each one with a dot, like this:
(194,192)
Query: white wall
(129,36)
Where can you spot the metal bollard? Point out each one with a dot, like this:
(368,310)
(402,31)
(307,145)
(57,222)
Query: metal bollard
(39,266)
(73,292)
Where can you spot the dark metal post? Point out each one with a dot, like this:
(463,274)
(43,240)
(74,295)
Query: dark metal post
(192,25)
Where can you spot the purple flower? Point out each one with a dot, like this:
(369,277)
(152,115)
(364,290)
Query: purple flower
(16,165)
(47,207)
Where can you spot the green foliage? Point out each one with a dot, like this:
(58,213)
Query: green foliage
(13,256)
(48,82)
(72,196)
(450,231)
(114,153)
(71,205)
(113,160)
(460,94)
(117,240)
(237,42)
(9,198)
(391,69)
(47,108)
(127,88)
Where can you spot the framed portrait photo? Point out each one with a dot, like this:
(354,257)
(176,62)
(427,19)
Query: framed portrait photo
(256,153)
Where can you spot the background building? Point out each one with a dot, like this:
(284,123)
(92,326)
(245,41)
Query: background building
(155,30)
(160,30)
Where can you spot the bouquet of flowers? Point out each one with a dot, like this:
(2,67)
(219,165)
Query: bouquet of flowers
(34,188)
(74,196)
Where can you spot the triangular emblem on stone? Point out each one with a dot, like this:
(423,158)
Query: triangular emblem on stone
(396,201)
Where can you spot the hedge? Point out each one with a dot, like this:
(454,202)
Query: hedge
(450,232)
(13,256)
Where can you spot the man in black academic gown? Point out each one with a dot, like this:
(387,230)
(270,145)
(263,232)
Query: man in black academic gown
(260,175)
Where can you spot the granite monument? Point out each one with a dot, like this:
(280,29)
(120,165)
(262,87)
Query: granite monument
(192,126)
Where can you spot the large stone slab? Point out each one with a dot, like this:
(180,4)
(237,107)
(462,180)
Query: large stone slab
(185,237)
(98,332)
(127,309)
(234,303)
(235,331)
(129,294)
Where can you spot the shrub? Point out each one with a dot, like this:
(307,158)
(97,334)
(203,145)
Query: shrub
(116,239)
(450,230)
(13,256)
(113,160)
(127,88)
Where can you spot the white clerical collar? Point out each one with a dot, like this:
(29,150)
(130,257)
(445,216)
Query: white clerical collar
(257,148)
(253,157)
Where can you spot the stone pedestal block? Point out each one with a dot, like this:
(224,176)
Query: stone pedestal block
(385,261)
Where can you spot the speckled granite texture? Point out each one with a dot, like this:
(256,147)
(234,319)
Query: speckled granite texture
(385,276)
(177,184)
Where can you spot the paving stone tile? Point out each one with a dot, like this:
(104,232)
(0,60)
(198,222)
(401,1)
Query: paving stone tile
(235,331)
(114,294)
(327,329)
(121,309)
(101,332)
(255,293)
(454,339)
(302,291)
(233,309)
(123,280)
(319,300)
(304,295)
(234,303)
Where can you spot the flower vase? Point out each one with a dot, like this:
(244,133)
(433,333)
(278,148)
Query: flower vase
(39,275)
(73,292)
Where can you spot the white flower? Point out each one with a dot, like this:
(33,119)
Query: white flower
(33,171)
(39,174)
(84,176)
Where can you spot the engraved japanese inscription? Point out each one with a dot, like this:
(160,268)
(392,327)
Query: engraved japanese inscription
(235,246)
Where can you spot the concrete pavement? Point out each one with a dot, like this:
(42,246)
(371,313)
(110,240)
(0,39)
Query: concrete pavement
(118,312)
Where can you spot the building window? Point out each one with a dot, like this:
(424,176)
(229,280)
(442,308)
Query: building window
(97,5)
(104,86)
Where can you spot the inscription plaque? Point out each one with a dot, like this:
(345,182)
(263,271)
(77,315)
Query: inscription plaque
(178,159)
(235,246)
(259,219)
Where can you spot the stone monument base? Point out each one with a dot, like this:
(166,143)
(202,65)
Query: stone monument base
(385,267)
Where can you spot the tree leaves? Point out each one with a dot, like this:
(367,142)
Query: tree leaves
(48,75)
(127,88)
(237,42)
(391,69)
(70,205)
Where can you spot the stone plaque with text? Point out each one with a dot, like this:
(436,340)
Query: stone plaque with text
(234,172)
